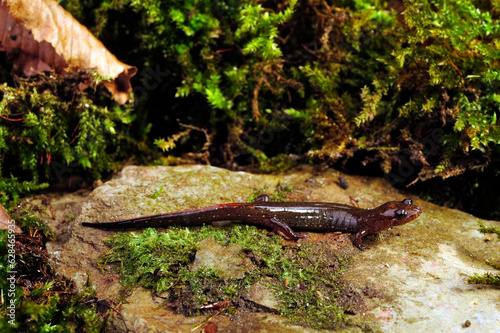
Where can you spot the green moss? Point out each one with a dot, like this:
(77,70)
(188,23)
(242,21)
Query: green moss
(277,163)
(13,188)
(488,278)
(157,193)
(360,81)
(309,296)
(43,302)
(26,219)
(306,283)
(51,130)
(280,192)
(365,79)
(489,230)
(444,71)
(43,310)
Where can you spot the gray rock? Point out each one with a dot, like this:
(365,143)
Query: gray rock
(413,277)
(227,259)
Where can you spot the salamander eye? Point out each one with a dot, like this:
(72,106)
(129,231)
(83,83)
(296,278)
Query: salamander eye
(408,201)
(401,213)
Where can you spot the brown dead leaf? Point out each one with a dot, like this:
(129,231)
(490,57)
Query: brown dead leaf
(6,222)
(39,35)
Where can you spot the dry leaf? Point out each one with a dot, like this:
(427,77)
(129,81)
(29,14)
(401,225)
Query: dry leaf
(39,35)
(6,222)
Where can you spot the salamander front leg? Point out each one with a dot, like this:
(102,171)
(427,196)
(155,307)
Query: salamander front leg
(358,239)
(284,230)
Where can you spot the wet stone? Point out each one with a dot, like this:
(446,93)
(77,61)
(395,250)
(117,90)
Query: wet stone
(416,273)
(263,296)
(227,259)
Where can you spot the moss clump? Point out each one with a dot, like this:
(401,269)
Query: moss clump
(51,130)
(306,283)
(489,230)
(408,88)
(27,219)
(488,278)
(280,192)
(392,84)
(43,302)
(313,286)
(42,309)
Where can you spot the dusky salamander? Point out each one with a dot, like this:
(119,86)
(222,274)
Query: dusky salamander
(283,217)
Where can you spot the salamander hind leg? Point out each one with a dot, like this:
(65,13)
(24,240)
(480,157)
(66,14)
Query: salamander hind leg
(284,230)
(358,240)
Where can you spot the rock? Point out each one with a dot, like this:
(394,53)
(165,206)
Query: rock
(413,278)
(263,296)
(227,259)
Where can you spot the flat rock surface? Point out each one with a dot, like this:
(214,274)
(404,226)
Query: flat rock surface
(223,258)
(413,278)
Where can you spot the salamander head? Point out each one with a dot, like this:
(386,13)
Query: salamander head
(390,214)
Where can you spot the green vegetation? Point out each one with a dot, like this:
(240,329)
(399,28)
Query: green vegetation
(43,302)
(43,310)
(280,193)
(306,278)
(410,89)
(157,194)
(489,230)
(447,77)
(488,278)
(50,129)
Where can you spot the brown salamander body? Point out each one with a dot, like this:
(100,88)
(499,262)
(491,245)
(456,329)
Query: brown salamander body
(283,217)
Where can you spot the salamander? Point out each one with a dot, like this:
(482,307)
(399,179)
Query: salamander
(283,217)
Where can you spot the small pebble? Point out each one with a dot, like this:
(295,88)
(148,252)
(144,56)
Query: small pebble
(467,323)
(343,182)
(210,328)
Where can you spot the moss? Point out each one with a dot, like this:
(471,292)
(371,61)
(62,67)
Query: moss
(43,302)
(43,310)
(312,286)
(306,283)
(365,81)
(157,193)
(27,219)
(489,230)
(277,163)
(280,193)
(51,130)
(363,84)
(14,188)
(488,278)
